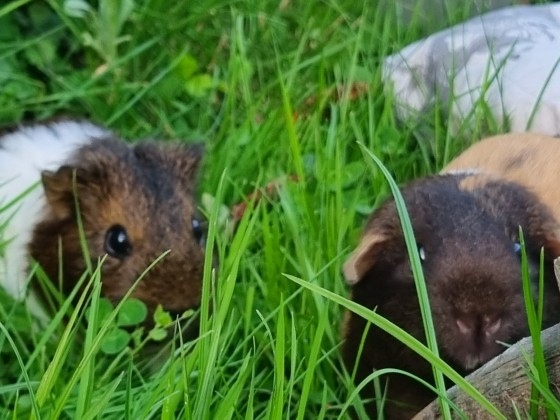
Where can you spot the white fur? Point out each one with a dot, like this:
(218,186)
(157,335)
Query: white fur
(466,171)
(24,154)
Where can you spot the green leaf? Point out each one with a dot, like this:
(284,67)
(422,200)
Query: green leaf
(363,209)
(76,8)
(392,144)
(188,313)
(157,334)
(39,14)
(104,309)
(187,67)
(133,312)
(208,202)
(115,341)
(362,74)
(137,335)
(350,174)
(162,318)
(9,29)
(42,54)
(115,14)
(199,85)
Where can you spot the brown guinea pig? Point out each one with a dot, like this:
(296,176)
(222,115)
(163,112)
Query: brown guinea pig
(135,203)
(466,228)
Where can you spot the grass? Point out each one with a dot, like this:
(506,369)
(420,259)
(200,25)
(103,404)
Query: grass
(254,82)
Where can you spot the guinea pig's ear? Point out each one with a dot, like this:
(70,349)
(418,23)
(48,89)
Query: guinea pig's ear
(189,158)
(364,257)
(184,160)
(58,190)
(59,187)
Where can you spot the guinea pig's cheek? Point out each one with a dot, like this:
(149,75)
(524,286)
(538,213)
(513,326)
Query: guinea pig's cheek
(402,273)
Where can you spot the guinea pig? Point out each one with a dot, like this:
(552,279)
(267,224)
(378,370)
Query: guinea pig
(531,160)
(466,228)
(135,202)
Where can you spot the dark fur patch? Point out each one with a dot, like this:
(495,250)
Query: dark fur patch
(519,160)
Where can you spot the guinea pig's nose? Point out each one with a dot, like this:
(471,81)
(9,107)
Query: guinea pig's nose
(491,326)
(487,325)
(466,325)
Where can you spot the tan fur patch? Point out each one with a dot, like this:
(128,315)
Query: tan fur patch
(532,160)
(363,257)
(474,182)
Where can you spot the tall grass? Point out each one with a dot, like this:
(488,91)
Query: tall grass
(256,83)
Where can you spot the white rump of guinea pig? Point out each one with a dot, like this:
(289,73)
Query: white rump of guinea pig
(24,155)
(507,57)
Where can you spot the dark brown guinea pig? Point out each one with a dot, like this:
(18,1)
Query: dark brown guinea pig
(466,228)
(135,202)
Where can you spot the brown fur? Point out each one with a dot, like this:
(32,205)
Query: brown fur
(148,189)
(468,226)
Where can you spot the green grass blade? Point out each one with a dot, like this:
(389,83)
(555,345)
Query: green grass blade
(96,409)
(226,408)
(404,338)
(87,379)
(277,398)
(419,280)
(36,412)
(311,365)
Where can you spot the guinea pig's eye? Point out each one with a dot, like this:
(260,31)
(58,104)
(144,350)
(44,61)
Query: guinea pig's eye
(421,252)
(198,231)
(517,248)
(117,244)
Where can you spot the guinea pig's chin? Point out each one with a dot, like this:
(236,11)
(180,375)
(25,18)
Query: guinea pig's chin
(471,359)
(472,362)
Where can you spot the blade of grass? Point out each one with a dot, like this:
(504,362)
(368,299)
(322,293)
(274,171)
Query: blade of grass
(290,127)
(534,317)
(404,338)
(96,409)
(53,371)
(228,404)
(12,6)
(91,351)
(378,373)
(34,403)
(419,280)
(311,364)
(210,345)
(206,347)
(277,397)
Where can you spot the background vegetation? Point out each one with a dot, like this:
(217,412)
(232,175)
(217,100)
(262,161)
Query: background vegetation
(278,91)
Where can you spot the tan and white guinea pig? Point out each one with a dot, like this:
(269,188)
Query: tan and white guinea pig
(135,202)
(466,223)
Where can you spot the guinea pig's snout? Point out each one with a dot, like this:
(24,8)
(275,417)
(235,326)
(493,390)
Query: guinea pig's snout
(484,326)
(477,339)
